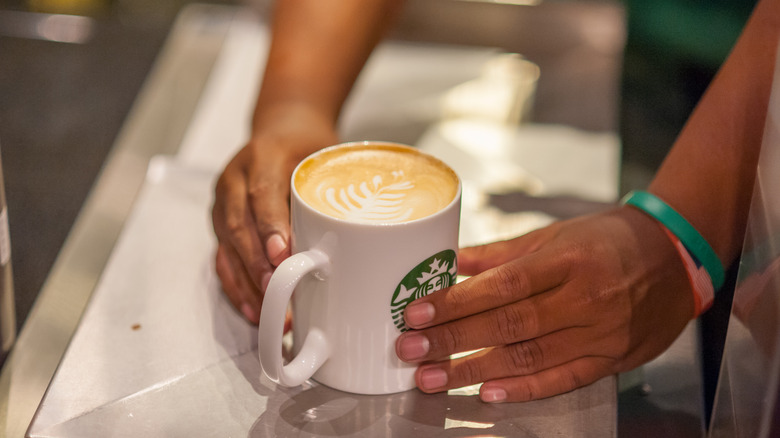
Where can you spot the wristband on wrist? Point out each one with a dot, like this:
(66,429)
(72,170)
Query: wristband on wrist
(694,243)
(699,279)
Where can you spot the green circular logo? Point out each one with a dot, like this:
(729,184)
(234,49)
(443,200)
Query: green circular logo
(434,273)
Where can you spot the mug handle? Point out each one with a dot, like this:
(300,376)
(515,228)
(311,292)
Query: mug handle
(315,349)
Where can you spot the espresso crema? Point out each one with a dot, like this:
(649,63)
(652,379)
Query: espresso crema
(382,183)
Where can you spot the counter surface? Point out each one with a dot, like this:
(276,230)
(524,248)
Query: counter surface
(156,306)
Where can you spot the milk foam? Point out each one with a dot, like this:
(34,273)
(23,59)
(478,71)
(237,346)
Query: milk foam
(375,183)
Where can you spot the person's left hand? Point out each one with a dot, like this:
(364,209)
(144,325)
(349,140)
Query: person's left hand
(551,311)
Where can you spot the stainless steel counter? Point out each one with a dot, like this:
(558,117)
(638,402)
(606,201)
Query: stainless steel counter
(156,124)
(160,350)
(169,118)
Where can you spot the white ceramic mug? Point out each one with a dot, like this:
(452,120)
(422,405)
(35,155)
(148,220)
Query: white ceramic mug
(352,279)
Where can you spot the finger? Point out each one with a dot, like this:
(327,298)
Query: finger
(476,259)
(504,284)
(269,195)
(524,320)
(235,228)
(554,381)
(227,278)
(502,385)
(237,285)
(287,321)
(522,358)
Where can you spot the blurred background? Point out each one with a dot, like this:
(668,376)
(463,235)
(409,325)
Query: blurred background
(71,69)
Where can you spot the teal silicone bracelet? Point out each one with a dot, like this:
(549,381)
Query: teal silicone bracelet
(688,235)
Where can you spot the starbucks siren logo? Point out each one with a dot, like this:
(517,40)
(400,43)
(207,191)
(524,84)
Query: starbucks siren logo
(435,273)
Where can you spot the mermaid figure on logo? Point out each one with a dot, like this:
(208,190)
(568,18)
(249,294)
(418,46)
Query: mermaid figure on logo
(435,273)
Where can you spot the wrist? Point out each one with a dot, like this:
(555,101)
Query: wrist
(286,113)
(694,242)
(664,268)
(285,133)
(704,277)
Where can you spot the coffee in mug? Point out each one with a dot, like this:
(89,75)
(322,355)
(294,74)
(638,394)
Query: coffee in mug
(374,226)
(376,183)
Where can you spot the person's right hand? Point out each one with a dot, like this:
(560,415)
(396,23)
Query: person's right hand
(251,207)
(553,310)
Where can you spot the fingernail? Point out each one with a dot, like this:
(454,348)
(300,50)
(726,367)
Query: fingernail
(249,312)
(275,247)
(493,395)
(414,346)
(433,378)
(419,314)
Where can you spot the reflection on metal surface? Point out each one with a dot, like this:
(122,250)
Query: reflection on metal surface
(480,151)
(65,28)
(320,411)
(504,92)
(746,403)
(197,353)
(531,158)
(466,390)
(59,28)
(7,306)
(224,395)
(155,125)
(452,424)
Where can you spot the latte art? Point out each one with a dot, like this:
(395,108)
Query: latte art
(376,202)
(382,183)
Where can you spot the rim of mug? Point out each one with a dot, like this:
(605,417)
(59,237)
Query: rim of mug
(294,190)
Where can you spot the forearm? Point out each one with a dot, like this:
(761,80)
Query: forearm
(318,49)
(709,173)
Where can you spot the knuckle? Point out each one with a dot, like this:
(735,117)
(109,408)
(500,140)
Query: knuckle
(508,282)
(525,390)
(580,255)
(571,380)
(525,357)
(452,338)
(513,324)
(258,190)
(457,297)
(470,371)
(234,225)
(263,189)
